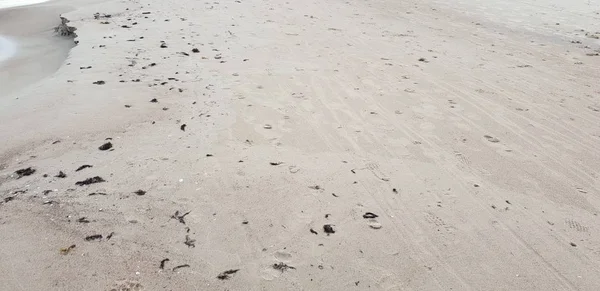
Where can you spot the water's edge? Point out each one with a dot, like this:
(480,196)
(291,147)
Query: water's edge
(16,3)
(8,48)
(30,50)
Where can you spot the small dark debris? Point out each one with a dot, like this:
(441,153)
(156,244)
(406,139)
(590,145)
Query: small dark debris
(61,174)
(162,263)
(182,127)
(99,83)
(97,193)
(181,266)
(105,146)
(209,155)
(180,218)
(328,228)
(573,244)
(275,163)
(195,50)
(370,215)
(8,199)
(163,45)
(56,141)
(154,100)
(334,195)
(395,190)
(313,231)
(422,60)
(508,202)
(227,274)
(83,167)
(140,192)
(83,220)
(245,222)
(476,185)
(281,266)
(25,172)
(191,243)
(110,235)
(66,251)
(89,181)
(316,187)
(93,237)
(184,53)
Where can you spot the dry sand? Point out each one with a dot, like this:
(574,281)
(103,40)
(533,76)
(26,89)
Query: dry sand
(476,143)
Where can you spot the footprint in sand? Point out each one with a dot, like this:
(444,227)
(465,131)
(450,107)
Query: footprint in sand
(283,256)
(491,139)
(268,272)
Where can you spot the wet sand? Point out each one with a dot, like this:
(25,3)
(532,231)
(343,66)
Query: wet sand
(38,51)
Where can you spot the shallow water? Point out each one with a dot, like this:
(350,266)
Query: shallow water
(15,3)
(29,49)
(8,48)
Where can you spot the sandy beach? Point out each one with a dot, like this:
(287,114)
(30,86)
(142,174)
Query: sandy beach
(308,145)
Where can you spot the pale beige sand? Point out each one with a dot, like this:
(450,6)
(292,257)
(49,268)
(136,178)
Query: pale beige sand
(481,161)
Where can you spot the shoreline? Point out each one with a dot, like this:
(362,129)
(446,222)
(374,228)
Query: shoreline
(276,145)
(36,52)
(5,4)
(7,49)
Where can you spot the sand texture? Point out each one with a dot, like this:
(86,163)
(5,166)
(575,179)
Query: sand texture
(307,145)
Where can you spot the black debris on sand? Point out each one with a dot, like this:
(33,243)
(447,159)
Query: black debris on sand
(180,218)
(227,274)
(370,215)
(163,262)
(93,237)
(191,243)
(25,172)
(105,146)
(89,181)
(181,266)
(281,266)
(328,228)
(83,167)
